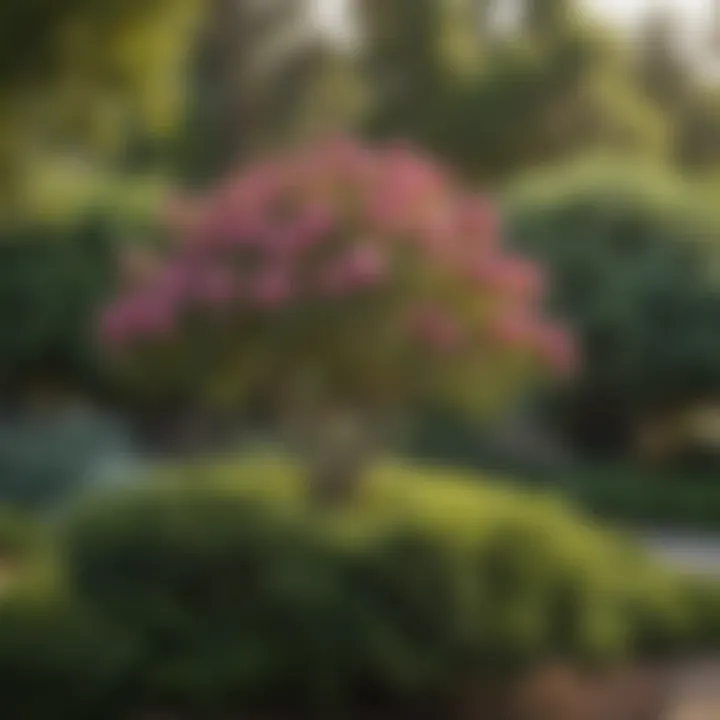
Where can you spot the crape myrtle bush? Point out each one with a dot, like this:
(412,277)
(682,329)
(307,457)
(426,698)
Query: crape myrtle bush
(218,588)
(341,274)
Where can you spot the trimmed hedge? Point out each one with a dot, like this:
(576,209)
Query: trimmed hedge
(221,588)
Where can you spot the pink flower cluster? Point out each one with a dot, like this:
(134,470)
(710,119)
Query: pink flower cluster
(341,222)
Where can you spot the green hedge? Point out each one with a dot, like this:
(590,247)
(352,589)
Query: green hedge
(219,587)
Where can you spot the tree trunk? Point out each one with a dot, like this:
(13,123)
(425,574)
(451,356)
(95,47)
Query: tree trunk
(335,447)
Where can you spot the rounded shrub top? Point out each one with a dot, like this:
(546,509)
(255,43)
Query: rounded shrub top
(355,273)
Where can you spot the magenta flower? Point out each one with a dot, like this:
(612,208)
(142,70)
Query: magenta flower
(435,327)
(273,288)
(134,318)
(361,267)
(152,315)
(365,265)
(311,227)
(341,221)
(510,275)
(513,329)
(478,219)
(217,287)
(557,348)
(175,281)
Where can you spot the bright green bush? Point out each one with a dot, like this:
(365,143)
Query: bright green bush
(239,593)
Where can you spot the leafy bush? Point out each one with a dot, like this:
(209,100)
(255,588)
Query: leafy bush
(57,661)
(666,498)
(633,258)
(56,658)
(51,280)
(240,593)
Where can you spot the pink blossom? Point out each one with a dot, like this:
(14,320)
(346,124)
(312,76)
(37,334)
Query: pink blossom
(411,177)
(313,225)
(437,328)
(152,315)
(342,159)
(365,265)
(136,317)
(217,286)
(273,288)
(332,280)
(478,220)
(556,347)
(174,281)
(513,329)
(362,267)
(511,275)
(438,235)
(387,212)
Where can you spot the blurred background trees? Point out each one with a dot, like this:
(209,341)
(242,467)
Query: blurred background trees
(79,80)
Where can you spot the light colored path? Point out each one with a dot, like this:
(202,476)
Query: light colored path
(690,552)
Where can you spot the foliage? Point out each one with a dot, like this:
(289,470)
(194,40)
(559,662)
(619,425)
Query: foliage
(54,272)
(683,499)
(633,259)
(341,275)
(690,104)
(52,280)
(557,67)
(99,73)
(242,595)
(57,662)
(264,77)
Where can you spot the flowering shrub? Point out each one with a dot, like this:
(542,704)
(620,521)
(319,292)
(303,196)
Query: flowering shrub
(358,275)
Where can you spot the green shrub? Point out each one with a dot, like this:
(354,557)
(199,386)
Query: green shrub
(641,496)
(240,594)
(632,257)
(51,281)
(56,658)
(56,661)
